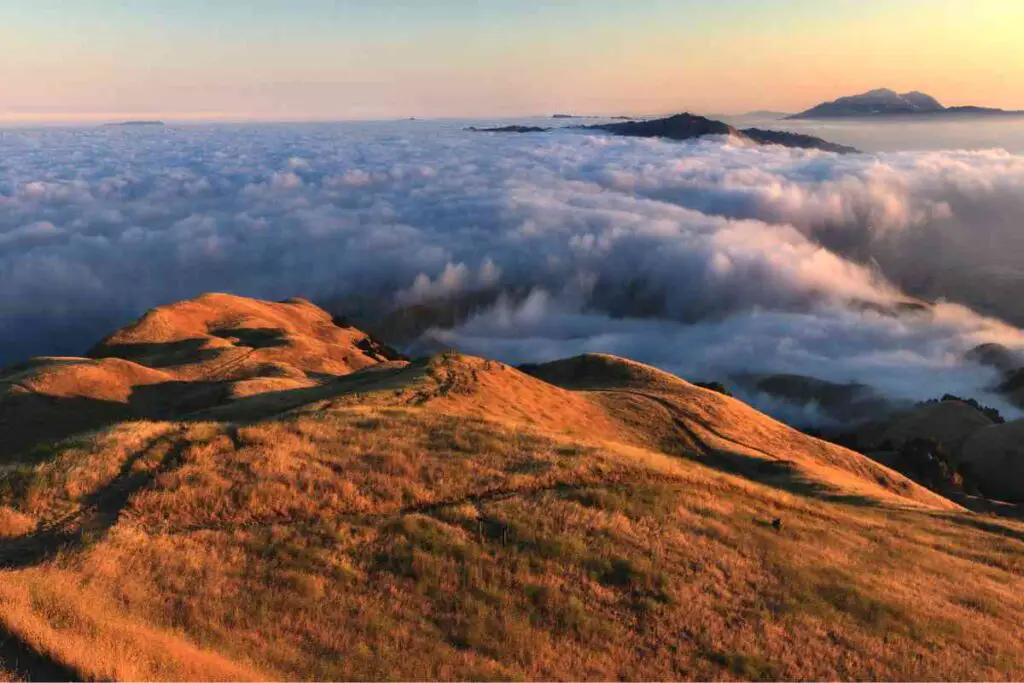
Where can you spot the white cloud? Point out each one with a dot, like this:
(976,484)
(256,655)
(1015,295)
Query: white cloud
(625,244)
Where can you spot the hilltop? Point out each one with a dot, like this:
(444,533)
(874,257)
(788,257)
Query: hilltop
(883,102)
(259,491)
(177,359)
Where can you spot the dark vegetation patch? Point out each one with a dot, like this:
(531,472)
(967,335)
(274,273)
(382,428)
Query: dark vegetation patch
(655,501)
(748,667)
(715,386)
(636,575)
(19,484)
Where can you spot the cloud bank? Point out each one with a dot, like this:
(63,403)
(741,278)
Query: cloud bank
(704,258)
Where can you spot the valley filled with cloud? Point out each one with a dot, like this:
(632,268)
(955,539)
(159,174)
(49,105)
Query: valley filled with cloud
(707,258)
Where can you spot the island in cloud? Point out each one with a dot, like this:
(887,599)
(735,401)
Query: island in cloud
(135,123)
(687,127)
(884,102)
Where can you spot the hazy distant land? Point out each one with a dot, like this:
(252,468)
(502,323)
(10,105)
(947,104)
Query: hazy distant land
(884,102)
(688,127)
(134,123)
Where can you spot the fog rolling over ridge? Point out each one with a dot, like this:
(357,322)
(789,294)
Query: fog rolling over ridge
(896,134)
(706,258)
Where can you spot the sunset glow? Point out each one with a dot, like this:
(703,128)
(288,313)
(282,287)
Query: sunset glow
(335,59)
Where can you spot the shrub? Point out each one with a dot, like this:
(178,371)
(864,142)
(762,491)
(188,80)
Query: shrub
(714,386)
(931,464)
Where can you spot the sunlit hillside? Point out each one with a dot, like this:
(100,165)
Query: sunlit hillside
(453,517)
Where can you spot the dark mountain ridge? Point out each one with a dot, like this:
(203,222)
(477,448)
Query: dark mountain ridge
(688,126)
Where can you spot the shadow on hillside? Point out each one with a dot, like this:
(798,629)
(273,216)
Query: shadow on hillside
(34,419)
(254,338)
(27,663)
(783,475)
(31,423)
(778,474)
(189,351)
(992,527)
(100,512)
(158,355)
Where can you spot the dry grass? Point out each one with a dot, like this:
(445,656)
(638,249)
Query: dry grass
(14,523)
(178,359)
(457,519)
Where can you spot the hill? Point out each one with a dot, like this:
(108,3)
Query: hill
(972,440)
(177,359)
(883,102)
(689,127)
(996,455)
(844,403)
(454,517)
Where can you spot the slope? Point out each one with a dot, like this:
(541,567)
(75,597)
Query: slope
(457,518)
(177,359)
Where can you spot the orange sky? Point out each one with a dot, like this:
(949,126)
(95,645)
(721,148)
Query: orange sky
(326,59)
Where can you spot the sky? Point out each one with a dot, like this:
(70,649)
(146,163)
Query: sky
(339,59)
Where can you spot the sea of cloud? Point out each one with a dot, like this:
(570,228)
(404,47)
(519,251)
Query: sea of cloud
(706,258)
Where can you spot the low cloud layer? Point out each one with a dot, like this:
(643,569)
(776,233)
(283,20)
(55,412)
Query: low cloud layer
(705,258)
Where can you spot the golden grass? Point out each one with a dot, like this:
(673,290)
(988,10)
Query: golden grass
(457,519)
(177,359)
(58,614)
(14,523)
(231,335)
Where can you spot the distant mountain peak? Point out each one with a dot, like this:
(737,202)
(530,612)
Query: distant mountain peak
(922,101)
(885,102)
(877,102)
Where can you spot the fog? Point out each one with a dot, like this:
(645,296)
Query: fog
(705,258)
(901,134)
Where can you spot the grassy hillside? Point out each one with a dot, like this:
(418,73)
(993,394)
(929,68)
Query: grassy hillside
(457,518)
